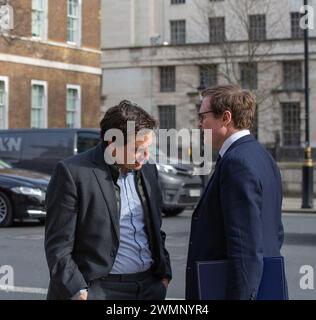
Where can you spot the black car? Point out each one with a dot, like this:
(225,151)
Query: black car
(22,194)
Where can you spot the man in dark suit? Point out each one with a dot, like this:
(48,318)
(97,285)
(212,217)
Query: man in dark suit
(103,235)
(238,218)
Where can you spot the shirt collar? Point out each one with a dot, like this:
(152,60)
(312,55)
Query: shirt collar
(233,138)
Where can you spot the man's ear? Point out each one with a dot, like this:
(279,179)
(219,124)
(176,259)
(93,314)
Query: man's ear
(227,118)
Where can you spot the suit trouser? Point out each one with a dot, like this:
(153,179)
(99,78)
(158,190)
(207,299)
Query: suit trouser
(138,286)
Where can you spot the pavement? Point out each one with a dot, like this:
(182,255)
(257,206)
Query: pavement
(22,248)
(294,205)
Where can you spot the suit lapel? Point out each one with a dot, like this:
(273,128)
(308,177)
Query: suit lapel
(244,139)
(104,178)
(205,192)
(146,185)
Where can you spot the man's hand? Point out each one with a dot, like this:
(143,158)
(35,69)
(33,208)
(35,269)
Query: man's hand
(81,295)
(165,282)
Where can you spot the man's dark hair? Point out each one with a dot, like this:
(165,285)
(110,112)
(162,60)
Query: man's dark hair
(118,116)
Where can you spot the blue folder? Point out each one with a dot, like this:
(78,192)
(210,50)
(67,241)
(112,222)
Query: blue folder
(212,279)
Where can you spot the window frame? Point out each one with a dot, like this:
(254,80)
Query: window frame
(179,35)
(172,2)
(251,67)
(44,28)
(171,107)
(164,81)
(78,39)
(287,85)
(5,80)
(78,119)
(220,30)
(44,84)
(255,34)
(206,68)
(291,130)
(296,31)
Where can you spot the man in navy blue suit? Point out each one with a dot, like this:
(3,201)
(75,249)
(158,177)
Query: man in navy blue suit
(238,218)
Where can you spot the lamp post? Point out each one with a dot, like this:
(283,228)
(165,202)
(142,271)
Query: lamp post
(307,191)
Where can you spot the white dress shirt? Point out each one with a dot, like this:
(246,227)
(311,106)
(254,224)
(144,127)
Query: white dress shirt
(233,138)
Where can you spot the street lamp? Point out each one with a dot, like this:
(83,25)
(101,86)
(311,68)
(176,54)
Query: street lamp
(307,191)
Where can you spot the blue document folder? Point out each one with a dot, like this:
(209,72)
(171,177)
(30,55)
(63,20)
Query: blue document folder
(212,279)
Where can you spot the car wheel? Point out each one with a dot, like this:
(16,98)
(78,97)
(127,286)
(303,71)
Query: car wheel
(171,212)
(6,214)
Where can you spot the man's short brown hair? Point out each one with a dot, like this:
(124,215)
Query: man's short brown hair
(241,103)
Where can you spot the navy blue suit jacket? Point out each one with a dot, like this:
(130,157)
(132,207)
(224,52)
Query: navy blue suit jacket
(238,218)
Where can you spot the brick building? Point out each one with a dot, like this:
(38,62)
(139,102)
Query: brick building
(50,65)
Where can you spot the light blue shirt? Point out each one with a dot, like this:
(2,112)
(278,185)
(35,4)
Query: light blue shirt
(233,138)
(134,253)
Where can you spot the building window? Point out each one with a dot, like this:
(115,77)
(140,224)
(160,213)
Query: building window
(167,117)
(291,124)
(73,106)
(177,1)
(177,31)
(208,76)
(167,79)
(249,75)
(217,29)
(74,22)
(296,31)
(292,75)
(39,19)
(39,104)
(4,101)
(257,27)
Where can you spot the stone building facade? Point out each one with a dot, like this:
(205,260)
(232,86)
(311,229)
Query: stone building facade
(159,53)
(137,65)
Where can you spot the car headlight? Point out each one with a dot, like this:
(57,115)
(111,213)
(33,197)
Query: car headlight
(166,168)
(29,191)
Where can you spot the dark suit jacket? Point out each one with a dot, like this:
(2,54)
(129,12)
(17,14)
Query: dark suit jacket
(238,218)
(82,227)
